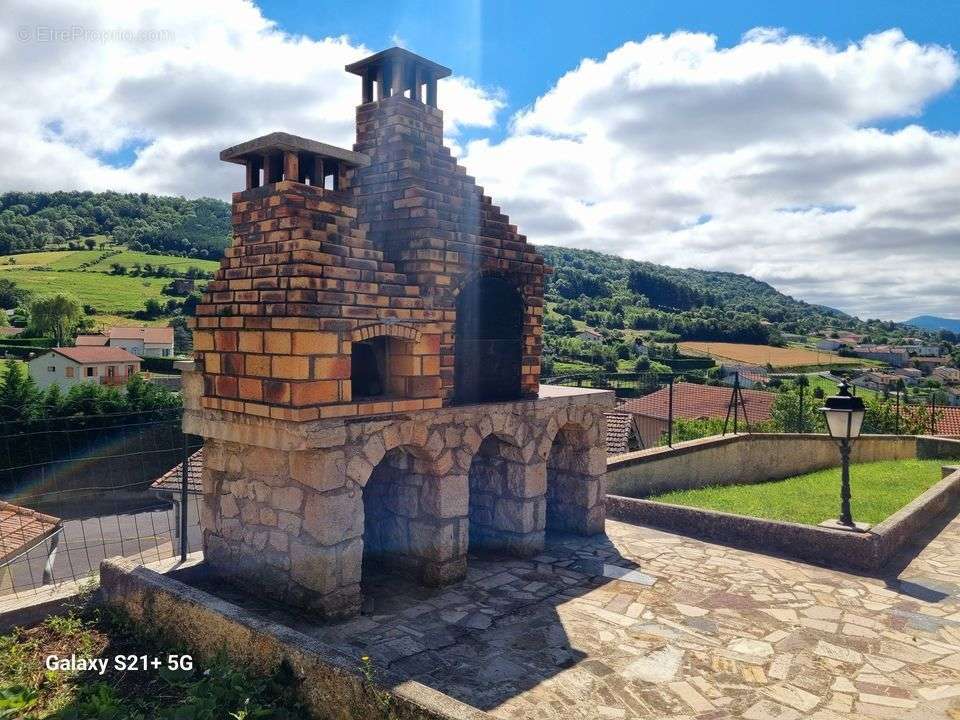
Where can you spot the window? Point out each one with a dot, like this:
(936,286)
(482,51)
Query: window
(69,372)
(51,368)
(129,369)
(166,352)
(111,370)
(91,372)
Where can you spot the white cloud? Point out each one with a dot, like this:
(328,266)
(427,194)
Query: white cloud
(762,158)
(211,74)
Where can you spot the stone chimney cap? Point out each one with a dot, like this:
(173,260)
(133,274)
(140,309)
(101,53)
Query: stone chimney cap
(285,142)
(396,54)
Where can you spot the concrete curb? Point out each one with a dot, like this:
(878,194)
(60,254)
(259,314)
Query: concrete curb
(864,551)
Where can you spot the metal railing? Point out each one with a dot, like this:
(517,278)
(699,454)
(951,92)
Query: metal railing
(96,477)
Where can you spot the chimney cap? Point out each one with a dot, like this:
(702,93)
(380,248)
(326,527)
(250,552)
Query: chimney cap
(397,54)
(285,142)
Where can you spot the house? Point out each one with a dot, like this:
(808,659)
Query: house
(69,366)
(876,380)
(8,331)
(926,364)
(693,402)
(895,356)
(917,348)
(829,344)
(946,374)
(589,334)
(141,341)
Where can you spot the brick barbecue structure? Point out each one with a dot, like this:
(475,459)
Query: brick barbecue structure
(367,365)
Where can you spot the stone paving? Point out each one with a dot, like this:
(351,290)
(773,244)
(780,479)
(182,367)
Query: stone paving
(645,624)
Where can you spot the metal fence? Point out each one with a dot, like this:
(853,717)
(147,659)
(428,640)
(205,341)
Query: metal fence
(76,490)
(672,407)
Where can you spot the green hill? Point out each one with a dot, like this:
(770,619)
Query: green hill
(143,222)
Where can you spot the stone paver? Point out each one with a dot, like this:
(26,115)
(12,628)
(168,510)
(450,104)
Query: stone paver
(721,633)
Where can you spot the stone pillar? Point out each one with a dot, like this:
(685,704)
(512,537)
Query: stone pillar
(576,483)
(507,503)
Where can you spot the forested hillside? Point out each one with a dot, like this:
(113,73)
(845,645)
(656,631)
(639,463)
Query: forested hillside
(141,222)
(611,292)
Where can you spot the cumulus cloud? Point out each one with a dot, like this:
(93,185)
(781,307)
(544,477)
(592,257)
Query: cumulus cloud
(766,158)
(769,157)
(172,82)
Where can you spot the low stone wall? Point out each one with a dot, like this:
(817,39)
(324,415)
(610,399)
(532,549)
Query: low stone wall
(739,459)
(329,683)
(865,551)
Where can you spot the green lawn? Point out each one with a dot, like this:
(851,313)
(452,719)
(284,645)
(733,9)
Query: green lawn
(128,258)
(830,388)
(878,490)
(107,293)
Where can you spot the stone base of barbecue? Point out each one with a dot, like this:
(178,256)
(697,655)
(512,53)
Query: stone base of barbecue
(297,509)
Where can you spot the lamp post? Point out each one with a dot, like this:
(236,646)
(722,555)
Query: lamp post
(844,415)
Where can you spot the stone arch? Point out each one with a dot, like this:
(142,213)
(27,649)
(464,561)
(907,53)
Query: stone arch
(506,497)
(414,517)
(488,340)
(574,487)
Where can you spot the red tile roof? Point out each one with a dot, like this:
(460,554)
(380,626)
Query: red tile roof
(694,402)
(91,340)
(161,335)
(87,354)
(618,432)
(21,529)
(948,421)
(172,479)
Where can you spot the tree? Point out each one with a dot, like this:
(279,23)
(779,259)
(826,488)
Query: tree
(56,315)
(791,414)
(18,392)
(10,294)
(90,242)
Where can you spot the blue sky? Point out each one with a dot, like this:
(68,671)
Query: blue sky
(523,47)
(813,145)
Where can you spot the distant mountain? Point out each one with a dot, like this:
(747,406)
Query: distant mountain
(934,323)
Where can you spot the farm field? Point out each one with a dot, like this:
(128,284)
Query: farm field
(765,355)
(128,258)
(106,293)
(73,259)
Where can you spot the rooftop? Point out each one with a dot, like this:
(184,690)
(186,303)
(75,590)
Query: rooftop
(147,334)
(696,402)
(285,142)
(397,54)
(92,354)
(22,528)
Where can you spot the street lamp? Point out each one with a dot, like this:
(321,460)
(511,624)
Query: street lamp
(844,414)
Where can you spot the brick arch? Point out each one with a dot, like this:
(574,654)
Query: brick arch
(406,332)
(512,278)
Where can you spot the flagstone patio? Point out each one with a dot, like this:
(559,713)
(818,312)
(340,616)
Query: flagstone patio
(646,624)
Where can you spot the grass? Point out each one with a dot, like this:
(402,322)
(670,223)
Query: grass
(209,691)
(878,489)
(128,258)
(107,293)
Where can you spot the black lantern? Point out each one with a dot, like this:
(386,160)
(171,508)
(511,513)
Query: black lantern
(844,415)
